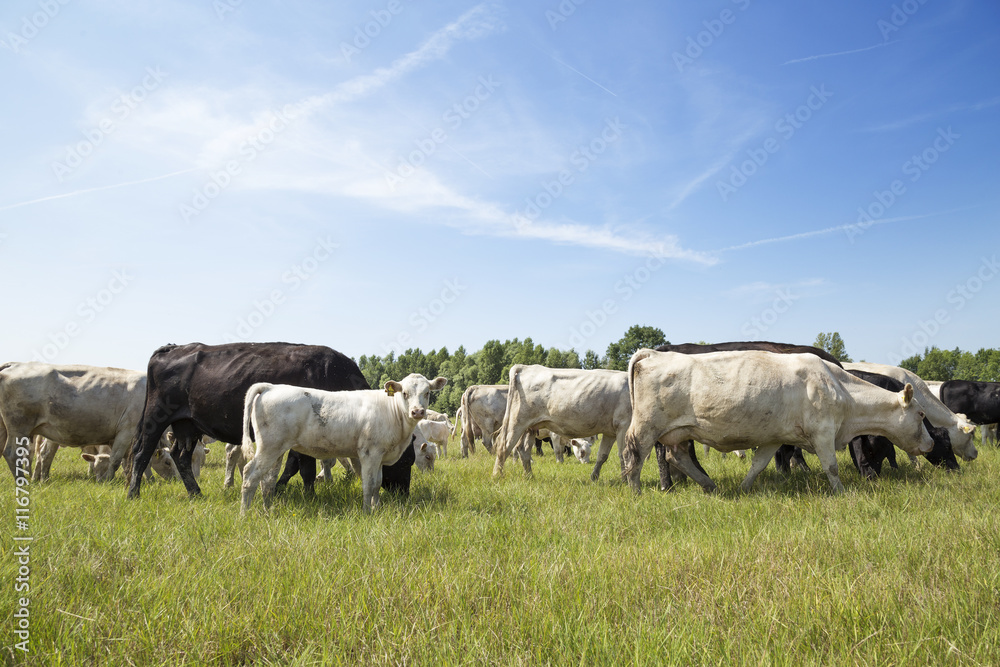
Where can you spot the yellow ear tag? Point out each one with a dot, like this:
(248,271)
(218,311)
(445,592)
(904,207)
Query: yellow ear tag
(389,390)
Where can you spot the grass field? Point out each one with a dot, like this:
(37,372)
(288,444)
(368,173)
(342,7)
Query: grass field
(549,570)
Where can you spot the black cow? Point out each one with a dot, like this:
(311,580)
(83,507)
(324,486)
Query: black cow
(200,389)
(395,478)
(786,453)
(978,401)
(869,451)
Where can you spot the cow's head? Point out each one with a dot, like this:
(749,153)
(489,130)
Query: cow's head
(100,465)
(961,438)
(915,438)
(414,392)
(581,449)
(163,464)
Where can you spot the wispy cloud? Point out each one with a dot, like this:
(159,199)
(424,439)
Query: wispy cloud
(764,290)
(838,53)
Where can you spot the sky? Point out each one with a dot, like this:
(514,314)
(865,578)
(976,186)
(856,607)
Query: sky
(376,176)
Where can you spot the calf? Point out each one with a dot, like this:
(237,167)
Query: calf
(436,432)
(738,400)
(368,425)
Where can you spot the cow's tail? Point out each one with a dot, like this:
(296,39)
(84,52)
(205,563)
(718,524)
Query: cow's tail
(500,437)
(247,447)
(630,452)
(468,436)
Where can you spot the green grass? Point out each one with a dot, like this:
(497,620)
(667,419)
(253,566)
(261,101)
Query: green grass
(549,570)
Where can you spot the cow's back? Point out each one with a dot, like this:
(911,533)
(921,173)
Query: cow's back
(211,381)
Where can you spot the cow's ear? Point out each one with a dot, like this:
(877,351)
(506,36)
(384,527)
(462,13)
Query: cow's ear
(423,447)
(391,387)
(438,383)
(88,457)
(207,451)
(907,394)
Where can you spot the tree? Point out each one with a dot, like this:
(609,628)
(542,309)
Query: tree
(635,338)
(591,360)
(834,344)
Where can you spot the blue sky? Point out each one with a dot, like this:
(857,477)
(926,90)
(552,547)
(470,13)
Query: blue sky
(383,175)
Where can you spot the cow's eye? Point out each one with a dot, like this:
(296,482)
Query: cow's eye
(405,395)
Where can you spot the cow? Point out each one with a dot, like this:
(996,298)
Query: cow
(436,432)
(989,434)
(787,455)
(979,401)
(199,389)
(99,459)
(868,451)
(72,405)
(483,408)
(368,425)
(739,400)
(573,402)
(960,429)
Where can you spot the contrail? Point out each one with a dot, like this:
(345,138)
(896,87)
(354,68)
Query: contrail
(102,187)
(828,230)
(839,53)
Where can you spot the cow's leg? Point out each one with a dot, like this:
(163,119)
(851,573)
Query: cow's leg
(890,456)
(635,453)
(307,468)
(682,456)
(291,467)
(142,452)
(263,463)
(186,435)
(371,480)
(45,453)
(823,446)
(664,467)
(783,459)
(234,460)
(326,470)
(523,450)
(860,457)
(503,449)
(761,457)
(119,448)
(267,482)
(607,439)
(538,447)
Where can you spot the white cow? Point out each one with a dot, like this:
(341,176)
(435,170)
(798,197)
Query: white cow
(960,429)
(436,432)
(72,405)
(99,459)
(370,426)
(581,448)
(572,402)
(738,400)
(482,408)
(935,387)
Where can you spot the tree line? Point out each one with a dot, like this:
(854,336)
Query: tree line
(492,363)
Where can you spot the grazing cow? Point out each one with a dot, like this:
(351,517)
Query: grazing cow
(868,451)
(979,401)
(71,405)
(960,429)
(573,402)
(483,408)
(787,455)
(738,400)
(99,459)
(581,448)
(199,389)
(370,426)
(438,433)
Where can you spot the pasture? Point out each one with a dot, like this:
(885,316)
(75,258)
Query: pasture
(549,570)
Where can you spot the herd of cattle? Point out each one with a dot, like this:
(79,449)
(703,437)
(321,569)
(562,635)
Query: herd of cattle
(313,403)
